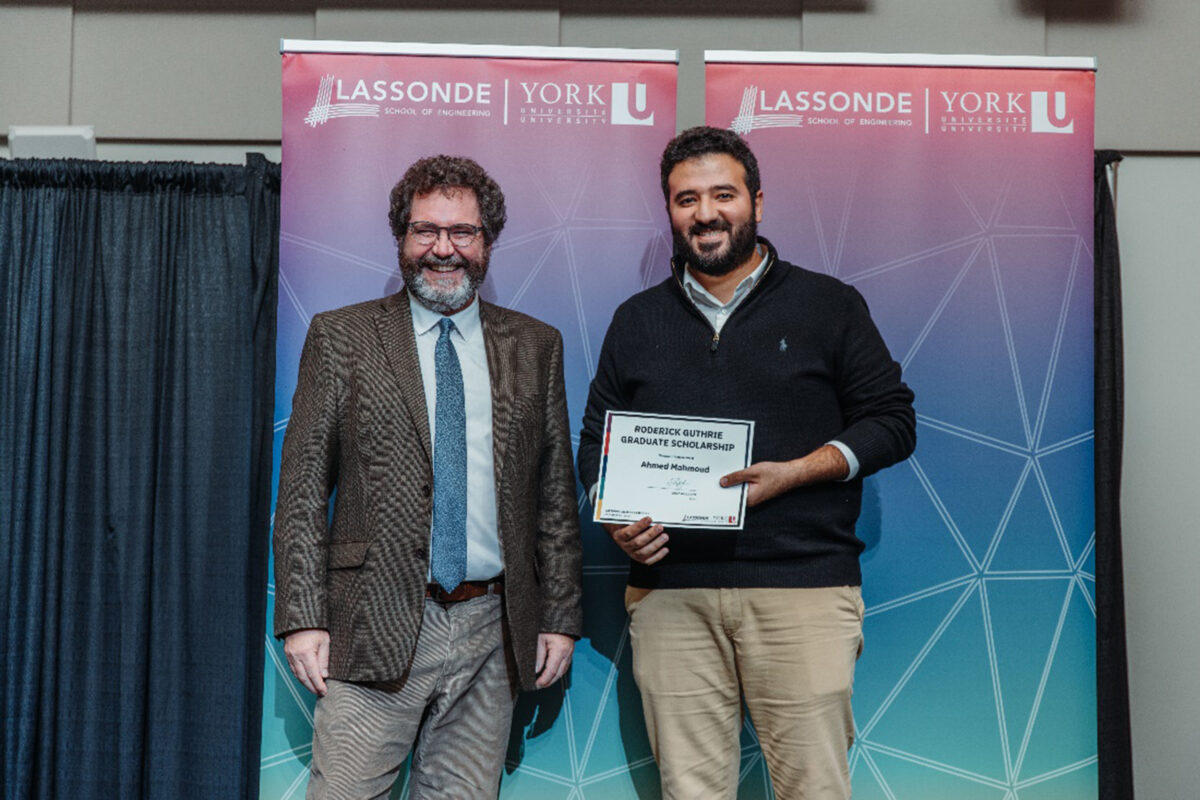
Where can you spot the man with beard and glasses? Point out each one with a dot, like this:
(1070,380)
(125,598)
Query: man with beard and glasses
(771,613)
(448,573)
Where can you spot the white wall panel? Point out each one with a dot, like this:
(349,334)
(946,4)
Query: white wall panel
(469,26)
(992,27)
(197,152)
(35,65)
(1158,221)
(1148,82)
(691,34)
(180,75)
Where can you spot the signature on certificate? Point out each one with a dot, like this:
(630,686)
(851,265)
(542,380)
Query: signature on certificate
(678,486)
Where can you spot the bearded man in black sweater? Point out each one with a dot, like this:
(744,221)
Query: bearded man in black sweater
(773,612)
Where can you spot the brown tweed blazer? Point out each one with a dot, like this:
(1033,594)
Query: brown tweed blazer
(359,425)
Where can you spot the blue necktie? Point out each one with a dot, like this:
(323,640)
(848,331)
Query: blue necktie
(449,555)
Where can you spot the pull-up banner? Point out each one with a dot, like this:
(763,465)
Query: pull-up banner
(573,137)
(955,193)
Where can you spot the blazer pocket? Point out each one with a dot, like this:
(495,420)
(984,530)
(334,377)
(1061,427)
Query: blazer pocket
(345,555)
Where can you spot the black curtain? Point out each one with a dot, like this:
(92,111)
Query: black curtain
(137,329)
(1115,755)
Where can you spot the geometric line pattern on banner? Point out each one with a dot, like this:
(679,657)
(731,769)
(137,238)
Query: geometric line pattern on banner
(880,766)
(883,765)
(545,253)
(984,670)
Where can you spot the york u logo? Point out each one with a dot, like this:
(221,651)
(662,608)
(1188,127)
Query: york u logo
(623,112)
(1041,120)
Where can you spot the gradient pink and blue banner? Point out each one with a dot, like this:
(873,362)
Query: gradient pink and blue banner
(958,200)
(573,138)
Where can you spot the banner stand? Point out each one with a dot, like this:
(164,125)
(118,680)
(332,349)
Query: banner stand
(573,137)
(955,193)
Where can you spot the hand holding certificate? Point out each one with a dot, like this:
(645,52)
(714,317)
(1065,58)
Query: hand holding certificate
(669,468)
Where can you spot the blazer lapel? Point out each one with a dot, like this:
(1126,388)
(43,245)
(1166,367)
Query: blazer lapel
(400,347)
(498,343)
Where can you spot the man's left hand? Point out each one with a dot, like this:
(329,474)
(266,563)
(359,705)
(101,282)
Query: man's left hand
(766,479)
(553,657)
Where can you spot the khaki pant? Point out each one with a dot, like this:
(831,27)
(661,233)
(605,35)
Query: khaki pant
(789,652)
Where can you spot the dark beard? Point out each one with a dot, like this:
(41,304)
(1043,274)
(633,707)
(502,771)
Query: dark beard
(742,241)
(430,296)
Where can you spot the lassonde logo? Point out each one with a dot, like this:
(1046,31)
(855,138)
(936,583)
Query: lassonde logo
(325,109)
(827,107)
(747,119)
(353,98)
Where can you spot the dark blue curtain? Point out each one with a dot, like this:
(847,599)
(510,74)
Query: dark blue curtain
(137,327)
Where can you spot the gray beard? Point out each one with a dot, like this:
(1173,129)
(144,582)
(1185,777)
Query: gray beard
(440,300)
(435,299)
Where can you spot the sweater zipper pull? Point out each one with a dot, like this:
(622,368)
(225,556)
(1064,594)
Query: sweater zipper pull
(715,341)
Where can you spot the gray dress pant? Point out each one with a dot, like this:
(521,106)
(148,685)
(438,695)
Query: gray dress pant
(453,710)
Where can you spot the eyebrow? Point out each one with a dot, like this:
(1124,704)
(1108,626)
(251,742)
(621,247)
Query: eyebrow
(720,187)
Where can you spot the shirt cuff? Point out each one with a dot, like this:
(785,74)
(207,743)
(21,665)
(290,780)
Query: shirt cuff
(850,459)
(592,492)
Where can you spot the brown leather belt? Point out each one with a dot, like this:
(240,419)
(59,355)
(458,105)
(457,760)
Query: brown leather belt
(467,590)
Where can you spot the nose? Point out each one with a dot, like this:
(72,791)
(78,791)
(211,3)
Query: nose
(443,248)
(706,210)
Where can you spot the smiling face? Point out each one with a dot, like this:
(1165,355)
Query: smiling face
(442,277)
(714,217)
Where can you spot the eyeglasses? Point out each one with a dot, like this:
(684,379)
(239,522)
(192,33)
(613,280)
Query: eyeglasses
(461,235)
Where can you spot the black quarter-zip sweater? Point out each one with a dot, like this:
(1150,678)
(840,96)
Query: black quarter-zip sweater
(801,357)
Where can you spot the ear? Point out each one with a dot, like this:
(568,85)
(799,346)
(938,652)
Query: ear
(758,205)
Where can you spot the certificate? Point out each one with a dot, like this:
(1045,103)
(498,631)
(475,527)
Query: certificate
(669,468)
